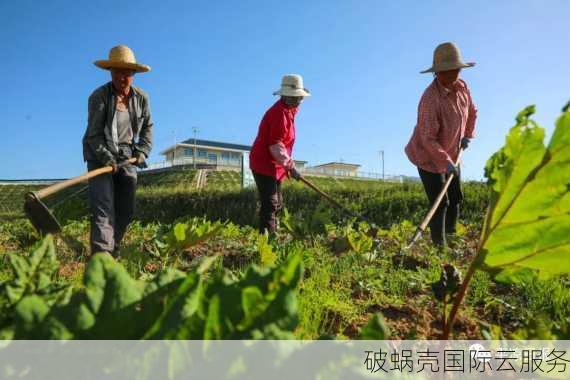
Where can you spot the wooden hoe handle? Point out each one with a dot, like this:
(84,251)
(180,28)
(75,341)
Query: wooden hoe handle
(73,181)
(421,228)
(334,201)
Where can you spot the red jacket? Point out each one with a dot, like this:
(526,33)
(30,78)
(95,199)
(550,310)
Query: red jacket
(277,126)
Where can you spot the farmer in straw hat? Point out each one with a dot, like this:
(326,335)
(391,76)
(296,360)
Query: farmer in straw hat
(446,122)
(270,158)
(119,127)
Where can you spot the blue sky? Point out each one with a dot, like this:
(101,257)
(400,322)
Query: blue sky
(215,65)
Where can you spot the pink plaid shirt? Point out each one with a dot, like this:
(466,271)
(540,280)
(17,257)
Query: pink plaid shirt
(444,118)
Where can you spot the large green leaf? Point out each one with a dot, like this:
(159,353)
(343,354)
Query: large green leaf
(182,312)
(29,313)
(528,225)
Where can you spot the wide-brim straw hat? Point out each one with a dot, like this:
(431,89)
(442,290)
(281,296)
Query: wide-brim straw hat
(122,57)
(447,56)
(292,85)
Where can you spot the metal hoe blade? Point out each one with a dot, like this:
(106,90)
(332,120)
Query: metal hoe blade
(40,215)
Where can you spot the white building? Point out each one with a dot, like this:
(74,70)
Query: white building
(219,155)
(335,169)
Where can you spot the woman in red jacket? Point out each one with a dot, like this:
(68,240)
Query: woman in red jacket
(446,122)
(270,158)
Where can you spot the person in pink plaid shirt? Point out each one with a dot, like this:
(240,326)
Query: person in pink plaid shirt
(446,123)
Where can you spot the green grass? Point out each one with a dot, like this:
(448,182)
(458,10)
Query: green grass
(340,289)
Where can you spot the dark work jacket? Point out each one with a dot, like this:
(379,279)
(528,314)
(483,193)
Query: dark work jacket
(100,142)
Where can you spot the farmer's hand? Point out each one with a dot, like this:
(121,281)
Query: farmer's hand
(113,164)
(465,143)
(140,163)
(452,169)
(294,173)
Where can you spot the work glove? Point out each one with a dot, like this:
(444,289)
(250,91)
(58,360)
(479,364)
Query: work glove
(452,169)
(294,173)
(113,164)
(465,143)
(140,163)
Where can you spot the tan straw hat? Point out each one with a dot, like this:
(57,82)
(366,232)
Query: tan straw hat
(447,57)
(292,85)
(122,57)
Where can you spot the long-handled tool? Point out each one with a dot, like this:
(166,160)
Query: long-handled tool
(40,215)
(336,203)
(421,228)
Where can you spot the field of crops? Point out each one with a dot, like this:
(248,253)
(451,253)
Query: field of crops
(193,266)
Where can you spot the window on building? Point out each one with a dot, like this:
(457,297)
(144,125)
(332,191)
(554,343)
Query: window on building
(202,153)
(225,157)
(189,152)
(212,158)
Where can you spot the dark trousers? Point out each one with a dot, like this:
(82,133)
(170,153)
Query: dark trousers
(112,202)
(271,199)
(445,218)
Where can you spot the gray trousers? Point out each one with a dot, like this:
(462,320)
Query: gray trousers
(112,203)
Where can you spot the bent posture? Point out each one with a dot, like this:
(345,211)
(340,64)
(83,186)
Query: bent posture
(119,127)
(271,155)
(446,123)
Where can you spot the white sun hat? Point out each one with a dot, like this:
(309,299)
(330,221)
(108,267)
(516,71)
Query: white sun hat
(292,85)
(447,56)
(122,57)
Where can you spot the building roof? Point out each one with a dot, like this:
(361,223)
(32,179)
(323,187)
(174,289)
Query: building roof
(208,143)
(329,164)
(217,144)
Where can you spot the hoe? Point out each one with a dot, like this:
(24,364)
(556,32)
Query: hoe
(337,204)
(40,215)
(421,228)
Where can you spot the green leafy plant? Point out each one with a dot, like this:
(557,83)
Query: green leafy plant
(447,285)
(357,239)
(34,274)
(186,235)
(376,329)
(113,305)
(305,223)
(527,225)
(266,255)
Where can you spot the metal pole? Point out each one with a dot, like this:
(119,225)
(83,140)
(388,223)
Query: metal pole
(195,130)
(175,146)
(383,177)
(382,159)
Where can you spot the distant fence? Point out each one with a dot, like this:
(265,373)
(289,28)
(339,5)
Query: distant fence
(200,164)
(355,175)
(29,181)
(322,172)
(372,176)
